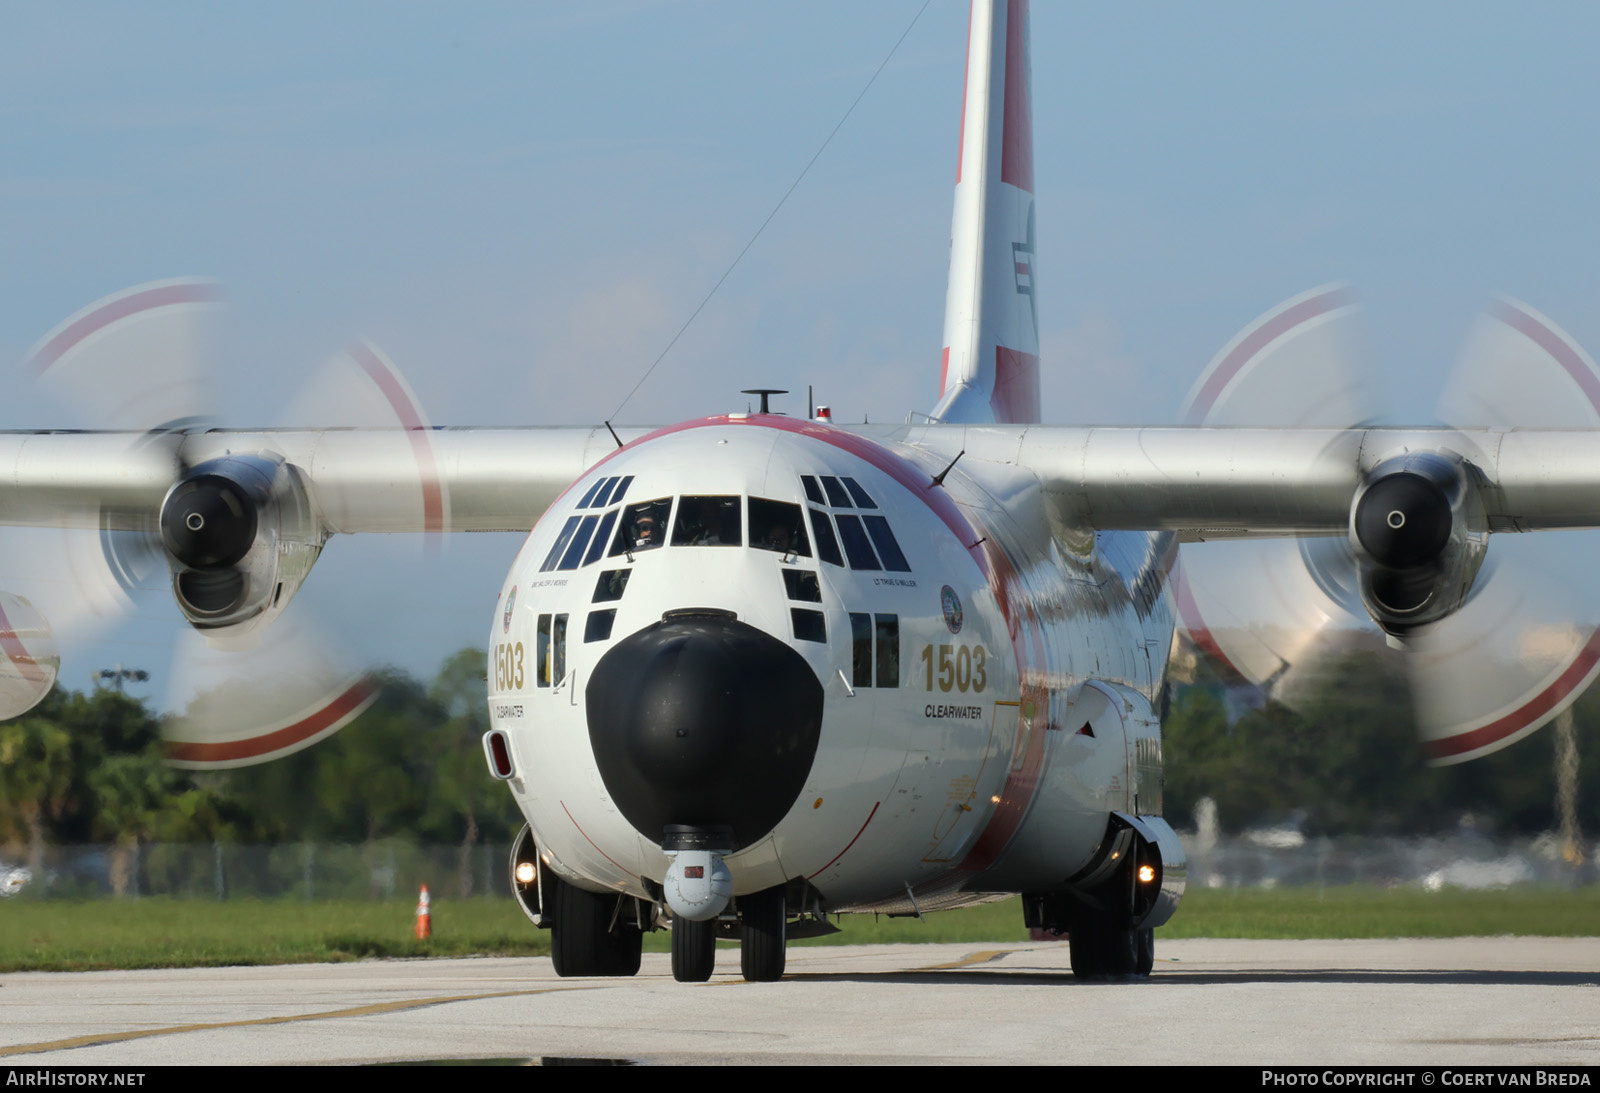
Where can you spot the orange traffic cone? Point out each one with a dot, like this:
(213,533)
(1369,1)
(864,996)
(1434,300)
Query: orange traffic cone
(424,916)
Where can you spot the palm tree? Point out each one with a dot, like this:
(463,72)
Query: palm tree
(36,768)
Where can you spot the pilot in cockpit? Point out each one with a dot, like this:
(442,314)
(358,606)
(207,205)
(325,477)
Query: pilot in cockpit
(643,526)
(646,533)
(778,538)
(707,521)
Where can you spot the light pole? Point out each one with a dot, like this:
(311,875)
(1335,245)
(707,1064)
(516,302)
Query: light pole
(118,676)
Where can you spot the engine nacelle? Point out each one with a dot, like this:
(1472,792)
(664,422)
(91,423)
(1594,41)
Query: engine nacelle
(1418,532)
(240,535)
(29,659)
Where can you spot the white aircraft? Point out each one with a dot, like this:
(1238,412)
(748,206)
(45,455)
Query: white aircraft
(753,670)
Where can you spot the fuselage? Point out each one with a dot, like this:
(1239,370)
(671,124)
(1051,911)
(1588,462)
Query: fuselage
(985,679)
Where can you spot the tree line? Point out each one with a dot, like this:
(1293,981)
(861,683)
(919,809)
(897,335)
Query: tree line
(87,768)
(1348,761)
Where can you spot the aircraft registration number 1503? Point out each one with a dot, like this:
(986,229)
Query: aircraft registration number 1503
(961,667)
(508,665)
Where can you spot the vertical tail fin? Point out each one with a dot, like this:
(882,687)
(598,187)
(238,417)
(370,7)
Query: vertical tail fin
(991,326)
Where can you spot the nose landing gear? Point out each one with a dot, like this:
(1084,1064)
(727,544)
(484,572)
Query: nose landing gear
(697,888)
(762,931)
(763,935)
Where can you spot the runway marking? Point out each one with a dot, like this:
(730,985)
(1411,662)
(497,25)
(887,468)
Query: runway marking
(983,956)
(96,1039)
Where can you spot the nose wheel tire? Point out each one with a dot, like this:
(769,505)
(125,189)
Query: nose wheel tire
(582,941)
(694,950)
(763,922)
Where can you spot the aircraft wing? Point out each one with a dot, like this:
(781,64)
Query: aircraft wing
(1210,482)
(355,480)
(1497,641)
(1201,482)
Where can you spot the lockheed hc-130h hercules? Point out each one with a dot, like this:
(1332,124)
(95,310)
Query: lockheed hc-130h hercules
(751,671)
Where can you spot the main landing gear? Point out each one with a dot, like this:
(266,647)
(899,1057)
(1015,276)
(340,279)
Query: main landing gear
(592,933)
(1102,950)
(1109,909)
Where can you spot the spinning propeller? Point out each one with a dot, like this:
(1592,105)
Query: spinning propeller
(255,675)
(1496,639)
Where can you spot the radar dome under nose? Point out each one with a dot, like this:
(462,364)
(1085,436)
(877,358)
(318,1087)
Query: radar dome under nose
(701,719)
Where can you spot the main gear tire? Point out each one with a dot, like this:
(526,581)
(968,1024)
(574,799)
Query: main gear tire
(582,941)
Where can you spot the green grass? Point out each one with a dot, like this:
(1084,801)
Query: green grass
(62,935)
(1386,912)
(51,935)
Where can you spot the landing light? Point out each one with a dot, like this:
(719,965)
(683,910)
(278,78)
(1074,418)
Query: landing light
(525,872)
(1147,874)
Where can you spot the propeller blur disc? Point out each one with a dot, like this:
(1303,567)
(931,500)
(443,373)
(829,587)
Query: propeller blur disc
(1257,606)
(1524,644)
(139,361)
(136,360)
(1524,647)
(241,706)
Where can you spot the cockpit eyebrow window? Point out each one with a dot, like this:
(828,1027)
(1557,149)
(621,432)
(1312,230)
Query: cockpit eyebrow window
(813,491)
(708,521)
(603,494)
(836,494)
(778,526)
(589,495)
(642,527)
(863,500)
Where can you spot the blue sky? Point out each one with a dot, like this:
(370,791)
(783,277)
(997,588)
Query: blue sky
(521,203)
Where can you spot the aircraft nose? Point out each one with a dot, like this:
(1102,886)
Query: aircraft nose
(700,719)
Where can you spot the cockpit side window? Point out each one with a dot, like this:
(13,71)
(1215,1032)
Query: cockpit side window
(855,542)
(827,545)
(580,541)
(642,527)
(883,538)
(601,536)
(778,526)
(708,521)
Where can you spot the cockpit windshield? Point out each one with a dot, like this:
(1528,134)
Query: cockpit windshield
(643,526)
(708,521)
(778,526)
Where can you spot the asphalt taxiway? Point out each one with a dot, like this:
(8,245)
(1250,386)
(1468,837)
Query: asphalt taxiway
(1458,1002)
